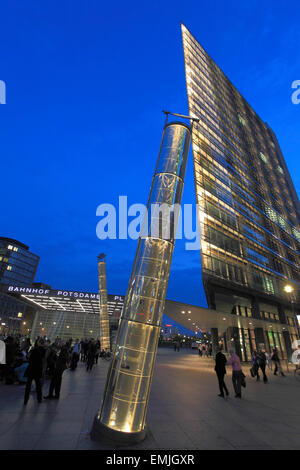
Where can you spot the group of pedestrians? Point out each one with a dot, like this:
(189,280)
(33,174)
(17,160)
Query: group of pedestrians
(259,361)
(90,351)
(46,358)
(238,377)
(22,362)
(204,350)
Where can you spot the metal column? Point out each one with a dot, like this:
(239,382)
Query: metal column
(123,413)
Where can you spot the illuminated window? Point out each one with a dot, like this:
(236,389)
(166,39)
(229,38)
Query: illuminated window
(242,120)
(20,315)
(263,157)
(8,268)
(10,247)
(16,248)
(280,169)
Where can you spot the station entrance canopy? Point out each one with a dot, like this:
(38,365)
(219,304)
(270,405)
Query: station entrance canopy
(71,301)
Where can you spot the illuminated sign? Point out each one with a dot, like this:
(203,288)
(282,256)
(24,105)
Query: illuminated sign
(59,293)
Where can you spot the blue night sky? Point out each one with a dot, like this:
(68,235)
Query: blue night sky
(86,83)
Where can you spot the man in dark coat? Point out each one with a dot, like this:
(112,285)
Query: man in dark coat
(11,351)
(261,363)
(91,355)
(35,371)
(221,371)
(61,363)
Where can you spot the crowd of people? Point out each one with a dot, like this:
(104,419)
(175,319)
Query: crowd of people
(44,360)
(259,360)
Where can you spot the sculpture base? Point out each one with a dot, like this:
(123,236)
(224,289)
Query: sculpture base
(101,432)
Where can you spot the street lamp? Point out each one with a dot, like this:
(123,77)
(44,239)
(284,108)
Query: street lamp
(288,288)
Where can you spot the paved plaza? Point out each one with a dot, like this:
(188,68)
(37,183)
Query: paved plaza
(184,410)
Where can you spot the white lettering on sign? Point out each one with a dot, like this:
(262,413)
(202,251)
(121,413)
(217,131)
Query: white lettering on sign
(58,293)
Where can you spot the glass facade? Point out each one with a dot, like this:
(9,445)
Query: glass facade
(17,264)
(249,211)
(64,325)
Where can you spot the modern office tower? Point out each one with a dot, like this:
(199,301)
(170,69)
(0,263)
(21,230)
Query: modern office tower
(249,211)
(17,264)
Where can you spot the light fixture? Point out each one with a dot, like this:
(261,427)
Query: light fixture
(288,288)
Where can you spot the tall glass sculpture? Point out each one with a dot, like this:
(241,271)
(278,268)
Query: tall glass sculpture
(123,413)
(104,321)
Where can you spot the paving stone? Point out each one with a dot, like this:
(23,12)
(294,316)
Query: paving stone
(184,410)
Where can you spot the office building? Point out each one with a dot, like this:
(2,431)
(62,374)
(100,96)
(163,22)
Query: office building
(249,211)
(17,266)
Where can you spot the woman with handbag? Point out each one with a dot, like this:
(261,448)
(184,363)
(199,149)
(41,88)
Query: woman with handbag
(238,378)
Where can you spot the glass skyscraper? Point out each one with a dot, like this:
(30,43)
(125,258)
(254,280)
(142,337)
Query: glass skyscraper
(249,211)
(17,266)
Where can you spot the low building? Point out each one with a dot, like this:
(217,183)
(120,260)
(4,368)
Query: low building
(74,314)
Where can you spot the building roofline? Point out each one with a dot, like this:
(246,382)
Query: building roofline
(15,242)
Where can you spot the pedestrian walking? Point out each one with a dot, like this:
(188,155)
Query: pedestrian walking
(276,360)
(34,371)
(98,349)
(91,352)
(261,364)
(238,378)
(254,368)
(61,363)
(220,369)
(75,355)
